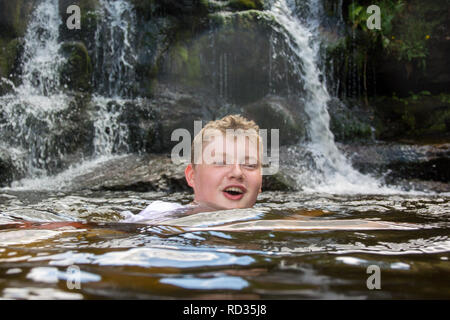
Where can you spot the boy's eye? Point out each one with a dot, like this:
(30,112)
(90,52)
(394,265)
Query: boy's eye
(251,166)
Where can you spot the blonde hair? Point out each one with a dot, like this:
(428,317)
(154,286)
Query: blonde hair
(230,122)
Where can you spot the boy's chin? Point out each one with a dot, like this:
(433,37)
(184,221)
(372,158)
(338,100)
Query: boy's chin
(226,205)
(237,205)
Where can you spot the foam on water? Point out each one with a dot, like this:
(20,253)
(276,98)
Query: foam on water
(64,179)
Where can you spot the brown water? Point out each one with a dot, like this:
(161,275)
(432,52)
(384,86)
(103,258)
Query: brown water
(292,245)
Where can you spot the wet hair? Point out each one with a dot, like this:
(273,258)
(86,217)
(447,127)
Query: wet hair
(233,122)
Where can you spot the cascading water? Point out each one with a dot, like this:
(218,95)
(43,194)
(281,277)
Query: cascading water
(115,59)
(331,171)
(114,49)
(36,106)
(33,115)
(41,59)
(38,112)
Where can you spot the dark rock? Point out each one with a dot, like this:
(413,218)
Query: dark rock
(6,169)
(175,110)
(286,115)
(400,161)
(349,124)
(246,4)
(415,117)
(137,173)
(14,16)
(152,172)
(76,73)
(280,181)
(10,53)
(53,139)
(221,61)
(88,21)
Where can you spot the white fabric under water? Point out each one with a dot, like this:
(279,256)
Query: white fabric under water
(156,210)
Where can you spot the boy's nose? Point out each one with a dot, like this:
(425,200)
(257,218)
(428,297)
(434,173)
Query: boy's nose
(236,171)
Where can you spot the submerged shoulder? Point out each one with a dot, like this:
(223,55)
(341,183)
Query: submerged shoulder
(162,206)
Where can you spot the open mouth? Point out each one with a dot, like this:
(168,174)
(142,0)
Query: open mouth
(234,193)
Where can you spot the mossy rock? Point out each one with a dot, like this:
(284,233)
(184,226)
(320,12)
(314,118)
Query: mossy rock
(88,20)
(9,51)
(77,71)
(221,61)
(280,181)
(149,8)
(85,6)
(349,124)
(14,16)
(246,4)
(6,170)
(415,117)
(278,113)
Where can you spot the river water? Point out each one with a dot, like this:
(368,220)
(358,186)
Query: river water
(290,245)
(320,243)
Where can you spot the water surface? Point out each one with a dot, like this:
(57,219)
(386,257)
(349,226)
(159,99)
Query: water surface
(291,245)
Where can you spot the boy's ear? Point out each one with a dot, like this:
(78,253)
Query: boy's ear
(189,175)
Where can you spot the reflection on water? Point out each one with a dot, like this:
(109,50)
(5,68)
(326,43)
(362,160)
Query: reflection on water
(291,245)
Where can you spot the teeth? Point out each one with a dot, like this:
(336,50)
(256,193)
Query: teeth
(234,189)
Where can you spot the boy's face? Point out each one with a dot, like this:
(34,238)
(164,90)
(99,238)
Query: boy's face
(229,175)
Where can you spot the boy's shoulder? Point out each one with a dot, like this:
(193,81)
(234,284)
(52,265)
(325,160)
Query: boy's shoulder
(157,209)
(161,206)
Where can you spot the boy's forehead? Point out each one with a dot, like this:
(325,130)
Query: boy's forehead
(236,141)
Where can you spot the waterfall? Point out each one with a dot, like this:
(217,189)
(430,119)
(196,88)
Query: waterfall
(41,59)
(114,74)
(35,107)
(42,135)
(114,50)
(331,171)
(38,127)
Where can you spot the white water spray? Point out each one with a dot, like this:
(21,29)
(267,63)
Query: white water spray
(115,59)
(36,112)
(115,54)
(41,59)
(333,173)
(31,111)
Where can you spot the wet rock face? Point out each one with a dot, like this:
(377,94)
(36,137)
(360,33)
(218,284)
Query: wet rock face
(283,114)
(350,122)
(153,172)
(14,16)
(6,169)
(421,116)
(133,172)
(219,59)
(88,21)
(77,71)
(50,140)
(400,161)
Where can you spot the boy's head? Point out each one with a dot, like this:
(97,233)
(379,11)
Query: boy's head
(225,168)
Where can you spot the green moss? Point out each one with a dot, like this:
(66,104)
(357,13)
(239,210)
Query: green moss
(76,73)
(144,7)
(185,62)
(246,4)
(8,55)
(345,128)
(14,16)
(416,116)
